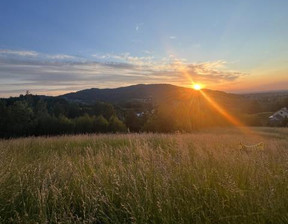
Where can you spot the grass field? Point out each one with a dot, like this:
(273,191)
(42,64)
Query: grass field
(145,178)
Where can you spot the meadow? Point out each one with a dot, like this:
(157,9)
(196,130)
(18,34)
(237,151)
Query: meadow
(200,177)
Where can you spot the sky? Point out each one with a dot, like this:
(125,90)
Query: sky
(59,46)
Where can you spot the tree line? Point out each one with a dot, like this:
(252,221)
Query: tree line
(35,115)
(39,115)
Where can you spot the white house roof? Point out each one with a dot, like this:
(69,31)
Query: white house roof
(280,114)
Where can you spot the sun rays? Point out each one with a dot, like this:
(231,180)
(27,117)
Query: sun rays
(213,103)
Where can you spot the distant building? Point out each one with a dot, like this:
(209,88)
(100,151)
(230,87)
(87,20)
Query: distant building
(140,114)
(278,117)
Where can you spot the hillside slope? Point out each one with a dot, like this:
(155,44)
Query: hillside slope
(152,92)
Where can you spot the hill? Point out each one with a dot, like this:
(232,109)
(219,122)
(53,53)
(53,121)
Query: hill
(269,101)
(154,93)
(253,109)
(136,96)
(151,108)
(141,92)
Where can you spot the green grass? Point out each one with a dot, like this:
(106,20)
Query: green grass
(145,178)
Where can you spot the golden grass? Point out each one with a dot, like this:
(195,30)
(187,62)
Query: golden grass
(145,178)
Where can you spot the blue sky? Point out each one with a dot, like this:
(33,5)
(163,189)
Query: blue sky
(52,47)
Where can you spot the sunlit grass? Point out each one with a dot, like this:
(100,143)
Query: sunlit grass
(145,178)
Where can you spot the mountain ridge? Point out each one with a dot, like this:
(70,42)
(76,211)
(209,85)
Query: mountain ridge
(153,92)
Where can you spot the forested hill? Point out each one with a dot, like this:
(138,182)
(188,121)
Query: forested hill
(269,101)
(156,108)
(141,92)
(156,93)
(165,93)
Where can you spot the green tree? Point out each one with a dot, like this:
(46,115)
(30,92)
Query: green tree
(46,125)
(20,119)
(65,125)
(84,124)
(100,124)
(132,121)
(116,125)
(41,108)
(105,109)
(58,109)
(3,118)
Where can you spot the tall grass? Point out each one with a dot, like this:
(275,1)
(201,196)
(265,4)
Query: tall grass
(145,178)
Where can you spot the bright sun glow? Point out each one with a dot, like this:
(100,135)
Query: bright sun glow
(197,86)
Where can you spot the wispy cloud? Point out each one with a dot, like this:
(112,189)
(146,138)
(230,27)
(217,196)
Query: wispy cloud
(172,37)
(66,72)
(125,58)
(61,56)
(19,53)
(138,27)
(24,54)
(147,52)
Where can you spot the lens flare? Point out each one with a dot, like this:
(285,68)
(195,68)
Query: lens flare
(221,110)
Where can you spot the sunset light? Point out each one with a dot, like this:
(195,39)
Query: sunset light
(197,86)
(144,111)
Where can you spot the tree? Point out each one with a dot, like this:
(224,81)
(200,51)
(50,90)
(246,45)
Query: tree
(3,118)
(65,125)
(116,125)
(46,125)
(105,109)
(58,109)
(40,108)
(100,124)
(132,121)
(20,119)
(84,124)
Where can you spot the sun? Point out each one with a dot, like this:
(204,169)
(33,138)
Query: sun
(197,86)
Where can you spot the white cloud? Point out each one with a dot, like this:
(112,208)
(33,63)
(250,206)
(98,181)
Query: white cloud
(23,54)
(125,58)
(107,70)
(139,27)
(147,52)
(172,37)
(19,53)
(61,56)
